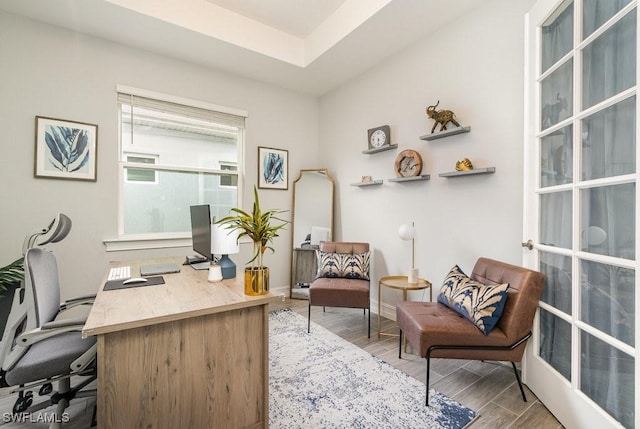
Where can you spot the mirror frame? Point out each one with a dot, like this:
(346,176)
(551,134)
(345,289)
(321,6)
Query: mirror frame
(293,217)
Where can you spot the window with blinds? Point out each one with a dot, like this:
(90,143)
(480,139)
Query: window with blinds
(175,153)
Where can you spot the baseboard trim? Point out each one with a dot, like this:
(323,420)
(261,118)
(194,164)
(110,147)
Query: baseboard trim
(386,310)
(280,290)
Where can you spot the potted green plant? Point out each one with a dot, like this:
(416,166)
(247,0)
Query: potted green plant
(258,226)
(11,274)
(10,277)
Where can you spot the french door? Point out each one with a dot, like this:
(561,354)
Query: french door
(581,209)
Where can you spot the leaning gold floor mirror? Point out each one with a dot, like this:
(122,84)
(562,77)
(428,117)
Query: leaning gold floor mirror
(312,223)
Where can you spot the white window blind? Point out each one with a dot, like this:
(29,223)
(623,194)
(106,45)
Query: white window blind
(181,110)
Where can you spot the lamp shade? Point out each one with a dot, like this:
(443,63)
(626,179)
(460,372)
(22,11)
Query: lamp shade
(407,231)
(594,235)
(223,241)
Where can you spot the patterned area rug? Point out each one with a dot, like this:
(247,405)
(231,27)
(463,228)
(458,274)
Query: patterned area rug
(320,380)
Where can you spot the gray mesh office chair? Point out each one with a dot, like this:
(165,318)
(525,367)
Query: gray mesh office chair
(41,344)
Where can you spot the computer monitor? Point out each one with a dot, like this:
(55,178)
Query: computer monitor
(201,231)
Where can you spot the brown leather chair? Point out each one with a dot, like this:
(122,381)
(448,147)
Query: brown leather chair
(340,291)
(436,331)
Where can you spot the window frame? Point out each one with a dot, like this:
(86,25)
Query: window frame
(173,239)
(224,164)
(128,164)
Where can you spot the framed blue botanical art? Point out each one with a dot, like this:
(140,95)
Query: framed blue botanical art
(273,168)
(66,149)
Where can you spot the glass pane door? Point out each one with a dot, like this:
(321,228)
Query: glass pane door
(582,180)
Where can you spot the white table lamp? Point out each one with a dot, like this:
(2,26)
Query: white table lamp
(224,242)
(407,231)
(594,235)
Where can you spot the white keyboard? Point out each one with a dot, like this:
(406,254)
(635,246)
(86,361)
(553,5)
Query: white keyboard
(119,273)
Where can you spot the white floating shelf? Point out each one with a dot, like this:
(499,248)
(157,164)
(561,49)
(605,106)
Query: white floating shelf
(447,133)
(487,170)
(380,149)
(371,183)
(411,178)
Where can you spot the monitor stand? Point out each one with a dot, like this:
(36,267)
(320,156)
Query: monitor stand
(201,265)
(197,262)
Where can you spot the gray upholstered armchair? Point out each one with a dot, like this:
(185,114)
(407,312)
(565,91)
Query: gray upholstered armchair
(343,278)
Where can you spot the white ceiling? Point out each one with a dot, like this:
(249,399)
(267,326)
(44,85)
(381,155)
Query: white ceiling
(311,46)
(296,17)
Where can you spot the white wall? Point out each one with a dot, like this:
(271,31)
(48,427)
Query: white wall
(48,71)
(474,67)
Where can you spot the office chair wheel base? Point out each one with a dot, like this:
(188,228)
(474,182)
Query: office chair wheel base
(45,389)
(23,402)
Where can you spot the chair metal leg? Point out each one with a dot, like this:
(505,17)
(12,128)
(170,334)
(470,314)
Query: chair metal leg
(426,403)
(309,319)
(515,371)
(369,326)
(511,347)
(400,346)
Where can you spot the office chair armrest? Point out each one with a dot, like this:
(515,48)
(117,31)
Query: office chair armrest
(63,323)
(50,329)
(81,300)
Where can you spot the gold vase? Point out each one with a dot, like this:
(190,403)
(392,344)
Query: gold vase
(256,281)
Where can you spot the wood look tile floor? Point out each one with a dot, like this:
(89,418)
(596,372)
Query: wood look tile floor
(487,387)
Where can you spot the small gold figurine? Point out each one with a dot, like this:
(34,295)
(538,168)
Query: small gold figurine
(442,117)
(464,165)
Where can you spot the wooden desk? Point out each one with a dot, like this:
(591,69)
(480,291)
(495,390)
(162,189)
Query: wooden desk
(188,353)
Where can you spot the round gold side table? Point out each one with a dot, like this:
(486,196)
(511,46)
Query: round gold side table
(401,283)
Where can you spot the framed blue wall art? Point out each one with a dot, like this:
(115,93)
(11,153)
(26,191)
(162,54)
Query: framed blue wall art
(66,149)
(273,168)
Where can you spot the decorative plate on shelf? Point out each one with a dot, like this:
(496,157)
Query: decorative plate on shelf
(408,163)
